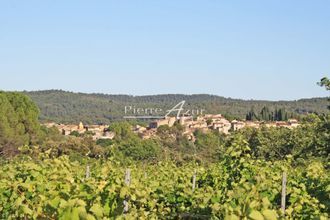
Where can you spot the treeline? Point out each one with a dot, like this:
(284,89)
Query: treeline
(266,115)
(19,126)
(68,107)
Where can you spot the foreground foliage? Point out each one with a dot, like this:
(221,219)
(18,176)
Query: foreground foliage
(236,187)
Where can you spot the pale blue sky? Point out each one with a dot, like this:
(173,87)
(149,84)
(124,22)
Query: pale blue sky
(274,49)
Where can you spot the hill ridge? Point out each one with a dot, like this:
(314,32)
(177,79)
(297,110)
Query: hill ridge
(64,106)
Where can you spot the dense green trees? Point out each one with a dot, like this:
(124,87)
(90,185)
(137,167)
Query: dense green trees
(20,129)
(208,145)
(128,145)
(18,122)
(122,130)
(138,149)
(309,140)
(266,115)
(67,107)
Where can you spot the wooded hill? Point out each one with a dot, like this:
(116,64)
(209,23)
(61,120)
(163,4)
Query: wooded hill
(69,107)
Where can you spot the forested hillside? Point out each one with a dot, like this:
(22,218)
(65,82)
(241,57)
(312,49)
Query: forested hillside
(66,107)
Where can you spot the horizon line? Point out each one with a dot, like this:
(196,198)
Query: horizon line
(161,94)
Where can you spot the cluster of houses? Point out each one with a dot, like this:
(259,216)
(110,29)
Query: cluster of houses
(190,125)
(208,122)
(96,131)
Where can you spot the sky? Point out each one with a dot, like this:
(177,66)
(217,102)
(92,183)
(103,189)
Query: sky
(269,50)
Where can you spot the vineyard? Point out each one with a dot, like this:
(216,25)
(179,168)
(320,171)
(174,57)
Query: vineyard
(238,187)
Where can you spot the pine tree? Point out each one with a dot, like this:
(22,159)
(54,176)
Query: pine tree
(18,122)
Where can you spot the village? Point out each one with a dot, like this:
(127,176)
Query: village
(189,123)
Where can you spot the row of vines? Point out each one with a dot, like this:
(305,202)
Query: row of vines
(238,187)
